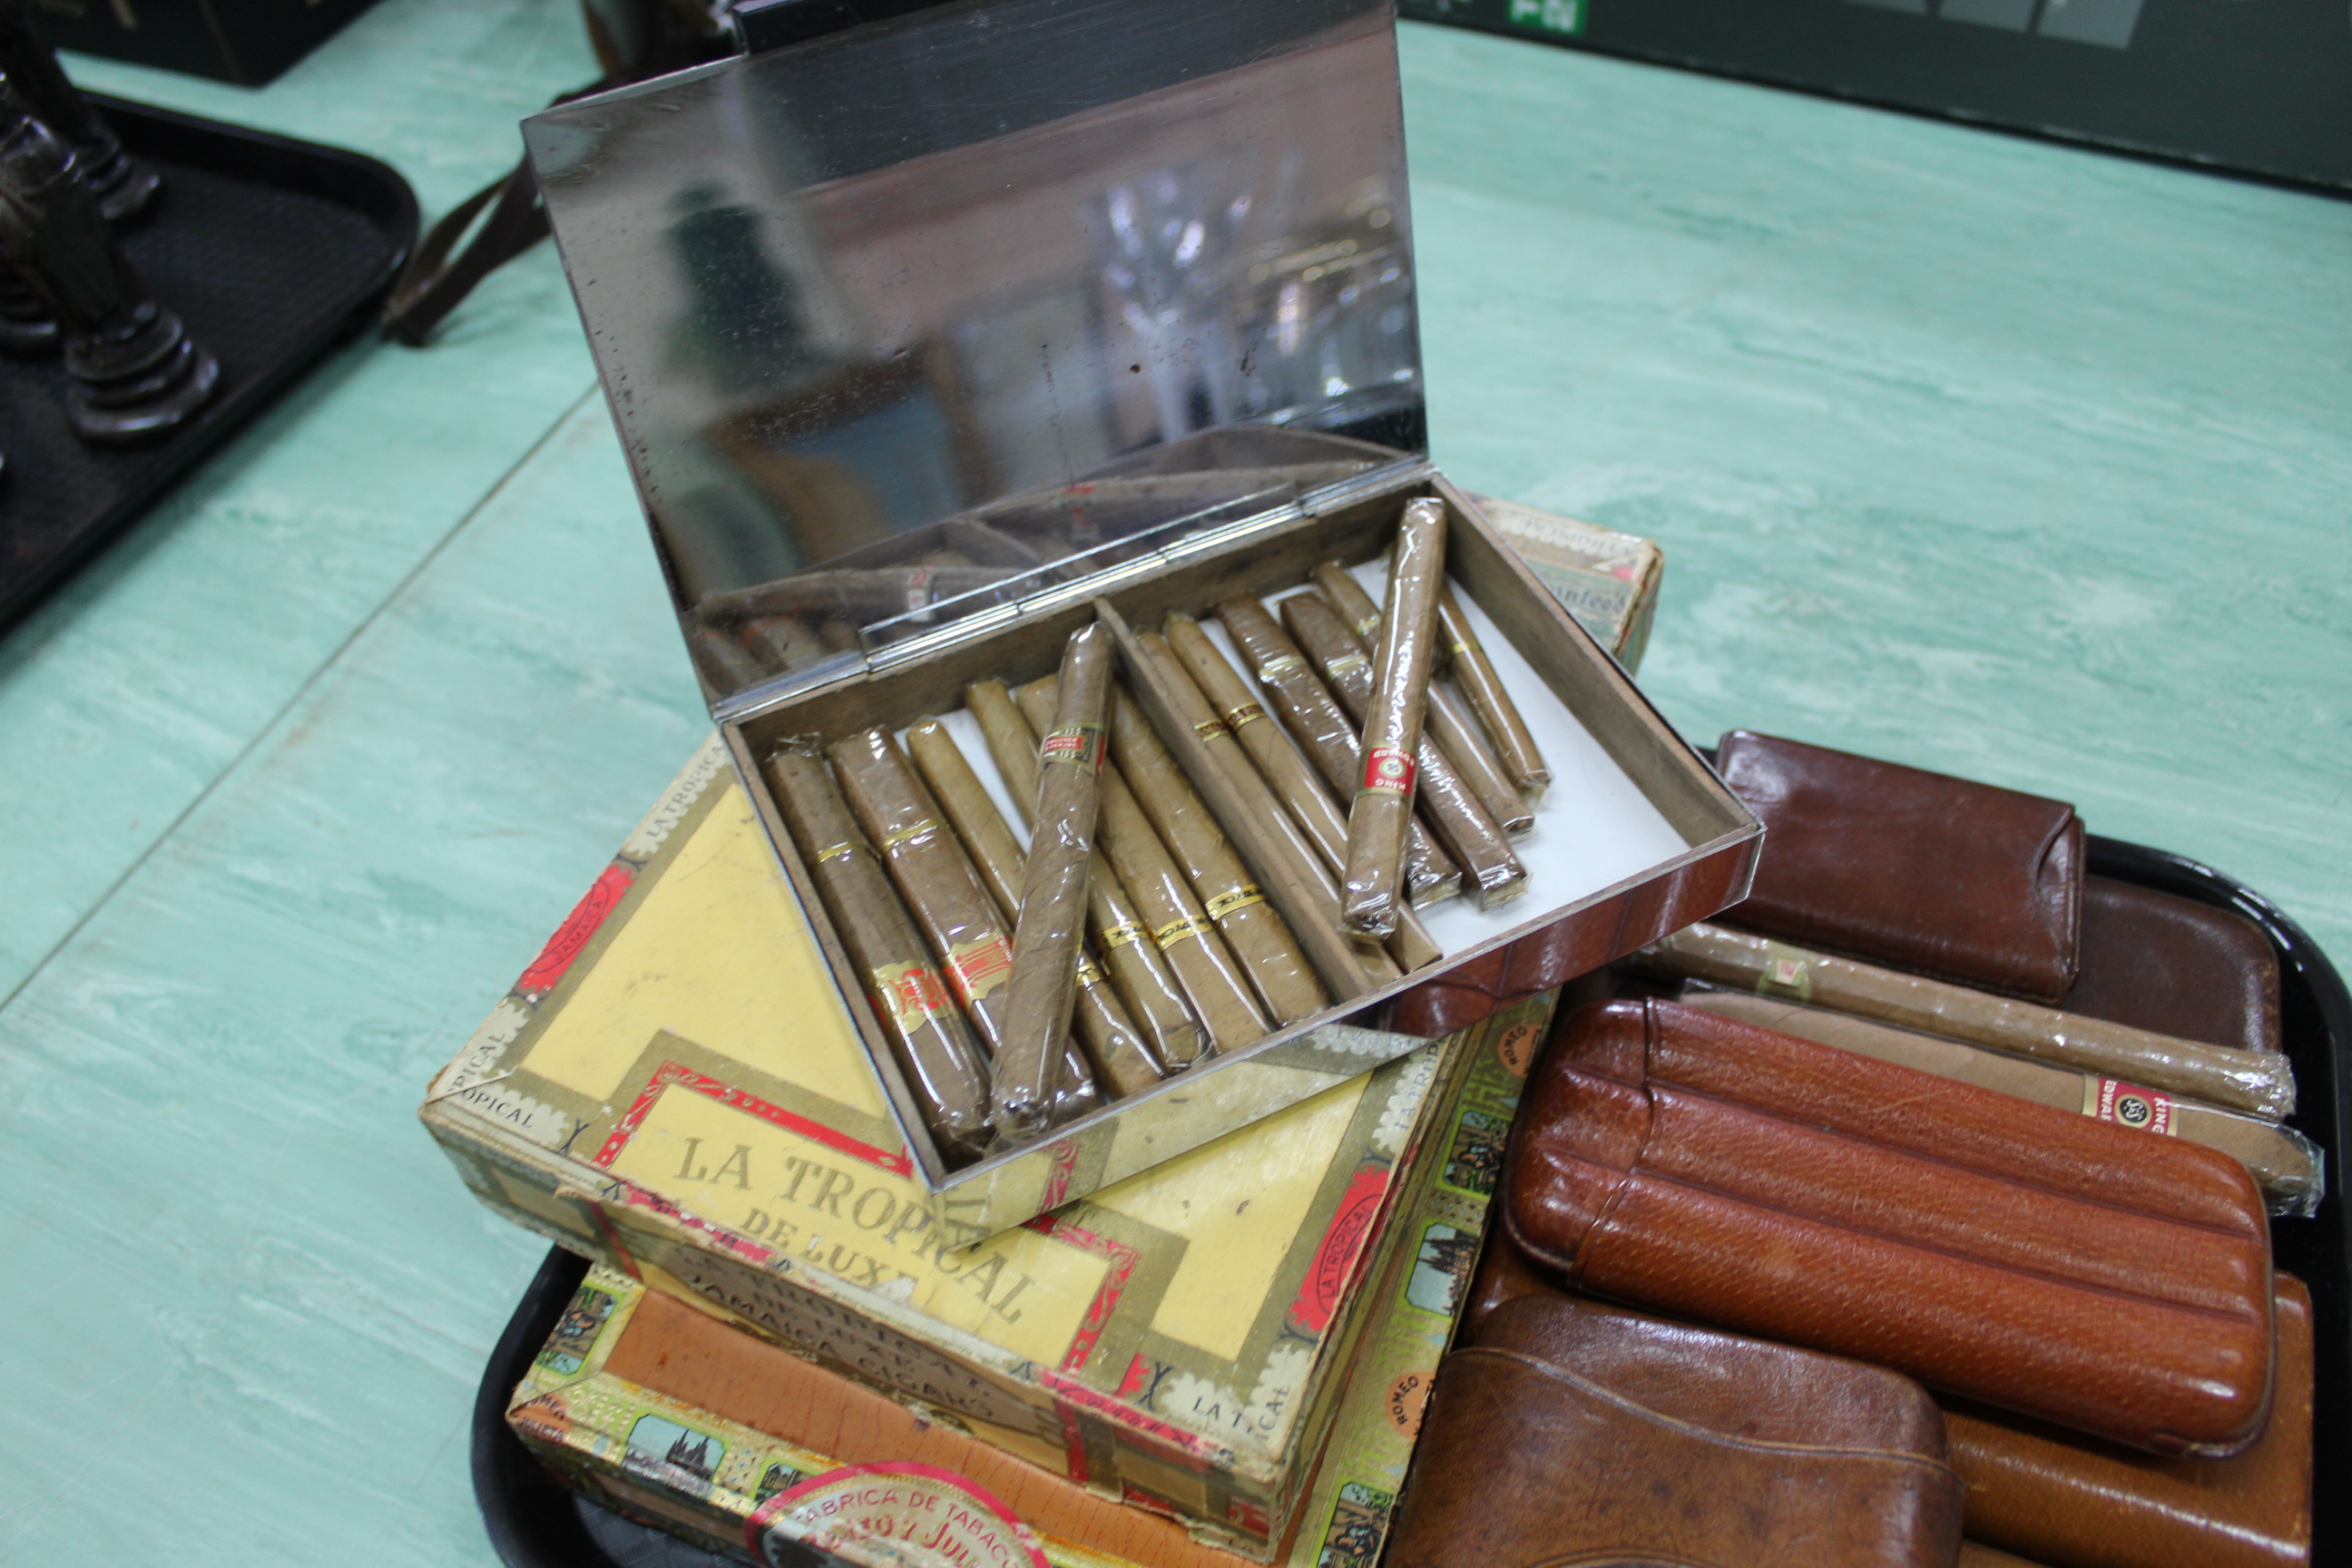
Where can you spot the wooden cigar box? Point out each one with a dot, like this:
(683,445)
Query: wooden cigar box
(932,340)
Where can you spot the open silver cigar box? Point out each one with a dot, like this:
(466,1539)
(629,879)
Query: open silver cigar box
(931,340)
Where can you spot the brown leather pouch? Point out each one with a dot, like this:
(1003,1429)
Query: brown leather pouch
(2018,1254)
(2155,961)
(1912,869)
(1567,1435)
(2069,1502)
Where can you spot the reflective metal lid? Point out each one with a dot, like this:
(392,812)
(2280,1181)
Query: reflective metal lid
(926,318)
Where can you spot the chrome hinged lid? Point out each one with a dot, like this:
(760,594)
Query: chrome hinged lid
(918,329)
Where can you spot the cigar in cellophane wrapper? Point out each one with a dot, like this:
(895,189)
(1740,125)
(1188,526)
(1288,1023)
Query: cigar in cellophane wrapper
(1305,799)
(1448,723)
(1220,993)
(1492,873)
(940,889)
(725,663)
(1462,657)
(935,1049)
(1295,857)
(1052,919)
(1373,888)
(1313,718)
(1122,1059)
(1229,893)
(2262,1083)
(1139,973)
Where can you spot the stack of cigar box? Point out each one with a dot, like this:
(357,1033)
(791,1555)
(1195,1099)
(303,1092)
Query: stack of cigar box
(1919,1204)
(1057,1042)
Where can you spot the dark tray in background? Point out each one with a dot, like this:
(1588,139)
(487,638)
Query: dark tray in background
(535,1523)
(271,250)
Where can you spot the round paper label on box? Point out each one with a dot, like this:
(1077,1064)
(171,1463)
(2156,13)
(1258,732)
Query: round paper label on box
(906,1515)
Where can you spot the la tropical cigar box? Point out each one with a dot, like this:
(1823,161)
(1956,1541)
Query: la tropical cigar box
(671,1089)
(684,1419)
(932,342)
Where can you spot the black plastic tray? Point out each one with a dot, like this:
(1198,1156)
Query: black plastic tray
(271,250)
(535,1523)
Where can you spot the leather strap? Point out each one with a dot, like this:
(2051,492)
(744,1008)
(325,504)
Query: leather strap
(434,282)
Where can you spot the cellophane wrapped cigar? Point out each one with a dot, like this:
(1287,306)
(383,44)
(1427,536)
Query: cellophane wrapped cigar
(1052,918)
(1214,982)
(1464,658)
(2258,1081)
(1229,893)
(1312,716)
(1293,781)
(1448,722)
(1296,857)
(725,665)
(936,1052)
(1374,888)
(1138,970)
(942,892)
(1492,873)
(1121,1058)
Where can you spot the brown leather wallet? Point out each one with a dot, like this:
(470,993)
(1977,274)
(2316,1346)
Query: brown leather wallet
(1572,1435)
(1916,871)
(2156,960)
(2069,1502)
(2018,1254)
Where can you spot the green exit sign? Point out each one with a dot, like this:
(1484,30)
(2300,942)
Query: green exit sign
(1549,15)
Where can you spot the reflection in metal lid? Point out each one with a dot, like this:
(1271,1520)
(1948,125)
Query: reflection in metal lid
(926,317)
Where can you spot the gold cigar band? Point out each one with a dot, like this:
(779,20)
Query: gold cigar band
(1121,935)
(1239,898)
(1280,665)
(906,993)
(912,831)
(1245,713)
(1462,649)
(836,851)
(1347,661)
(1210,729)
(1088,975)
(1366,627)
(976,968)
(1175,932)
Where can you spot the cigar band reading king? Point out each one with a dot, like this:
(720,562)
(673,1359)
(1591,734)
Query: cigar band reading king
(1389,768)
(1239,898)
(1080,745)
(2112,1100)
(1176,931)
(977,968)
(909,992)
(1119,936)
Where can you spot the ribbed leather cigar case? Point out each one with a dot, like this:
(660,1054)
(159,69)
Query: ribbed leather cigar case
(2016,1254)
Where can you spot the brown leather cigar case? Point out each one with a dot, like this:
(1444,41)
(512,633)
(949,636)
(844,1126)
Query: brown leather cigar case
(2158,962)
(2069,1502)
(2018,1254)
(1915,871)
(1571,1435)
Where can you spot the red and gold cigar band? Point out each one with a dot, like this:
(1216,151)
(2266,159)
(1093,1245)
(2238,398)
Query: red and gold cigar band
(1389,768)
(1210,729)
(1081,745)
(977,968)
(1234,898)
(1245,713)
(906,993)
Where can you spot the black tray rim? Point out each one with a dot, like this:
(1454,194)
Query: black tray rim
(534,1522)
(367,185)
